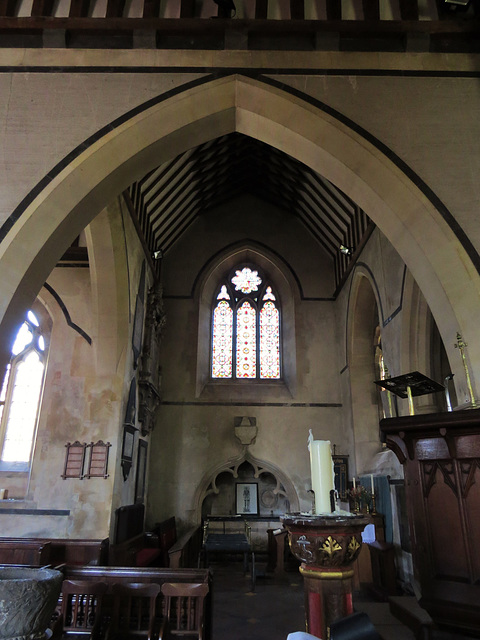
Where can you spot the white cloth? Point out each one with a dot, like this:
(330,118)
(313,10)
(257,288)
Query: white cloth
(301,635)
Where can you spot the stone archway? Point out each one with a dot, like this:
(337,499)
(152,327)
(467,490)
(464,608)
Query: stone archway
(362,322)
(422,237)
(209,485)
(285,284)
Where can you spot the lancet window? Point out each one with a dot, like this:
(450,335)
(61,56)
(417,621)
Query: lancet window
(20,394)
(246,328)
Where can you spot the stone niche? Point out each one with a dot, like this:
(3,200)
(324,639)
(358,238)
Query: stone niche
(275,496)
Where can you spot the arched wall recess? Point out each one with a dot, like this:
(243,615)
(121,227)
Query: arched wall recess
(208,485)
(440,261)
(363,318)
(285,284)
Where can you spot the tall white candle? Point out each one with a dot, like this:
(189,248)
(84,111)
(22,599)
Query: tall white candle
(321,466)
(371,483)
(354,483)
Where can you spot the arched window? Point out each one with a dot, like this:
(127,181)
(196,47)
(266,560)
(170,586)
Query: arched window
(20,396)
(245,328)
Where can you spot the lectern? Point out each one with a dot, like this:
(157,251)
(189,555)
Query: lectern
(409,385)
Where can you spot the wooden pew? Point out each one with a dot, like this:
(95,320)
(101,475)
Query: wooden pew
(20,551)
(135,552)
(54,551)
(157,575)
(79,552)
(133,547)
(186,550)
(166,532)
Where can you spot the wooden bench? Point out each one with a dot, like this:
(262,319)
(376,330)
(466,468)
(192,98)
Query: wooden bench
(186,550)
(24,551)
(133,547)
(166,532)
(135,552)
(54,551)
(157,575)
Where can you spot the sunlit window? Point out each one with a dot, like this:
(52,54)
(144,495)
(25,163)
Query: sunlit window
(20,396)
(245,328)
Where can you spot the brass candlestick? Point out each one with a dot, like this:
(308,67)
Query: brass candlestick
(461,345)
(373,510)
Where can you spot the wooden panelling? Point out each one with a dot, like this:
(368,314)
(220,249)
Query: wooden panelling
(261,9)
(42,7)
(371,9)
(187,8)
(7,7)
(409,9)
(334,10)
(115,8)
(151,8)
(297,9)
(443,504)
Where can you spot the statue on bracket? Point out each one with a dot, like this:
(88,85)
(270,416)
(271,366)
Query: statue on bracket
(149,381)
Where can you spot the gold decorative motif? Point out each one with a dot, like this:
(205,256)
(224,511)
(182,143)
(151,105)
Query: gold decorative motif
(353,547)
(330,546)
(344,574)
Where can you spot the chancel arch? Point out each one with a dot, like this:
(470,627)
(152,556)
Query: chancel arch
(305,130)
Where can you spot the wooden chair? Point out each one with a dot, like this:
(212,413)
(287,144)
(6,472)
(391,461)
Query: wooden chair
(81,611)
(184,608)
(134,610)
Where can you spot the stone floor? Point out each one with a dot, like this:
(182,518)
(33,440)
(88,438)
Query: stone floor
(276,607)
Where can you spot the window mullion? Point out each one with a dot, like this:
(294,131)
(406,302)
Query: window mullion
(234,344)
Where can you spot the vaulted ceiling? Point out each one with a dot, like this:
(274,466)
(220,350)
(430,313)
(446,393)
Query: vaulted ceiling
(170,198)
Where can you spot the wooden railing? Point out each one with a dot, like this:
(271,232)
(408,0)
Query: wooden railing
(369,25)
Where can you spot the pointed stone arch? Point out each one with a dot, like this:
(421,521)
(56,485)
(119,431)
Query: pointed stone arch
(404,212)
(363,318)
(285,283)
(208,485)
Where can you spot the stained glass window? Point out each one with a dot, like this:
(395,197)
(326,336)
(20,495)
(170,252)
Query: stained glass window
(245,328)
(20,395)
(269,341)
(222,340)
(246,350)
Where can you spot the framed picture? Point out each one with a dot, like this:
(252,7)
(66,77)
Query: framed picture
(74,459)
(141,471)
(246,498)
(98,462)
(127,449)
(340,468)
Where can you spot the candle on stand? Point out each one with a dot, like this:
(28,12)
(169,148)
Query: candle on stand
(321,467)
(371,483)
(354,483)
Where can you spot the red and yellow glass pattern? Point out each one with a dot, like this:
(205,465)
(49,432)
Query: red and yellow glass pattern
(246,341)
(222,340)
(269,341)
